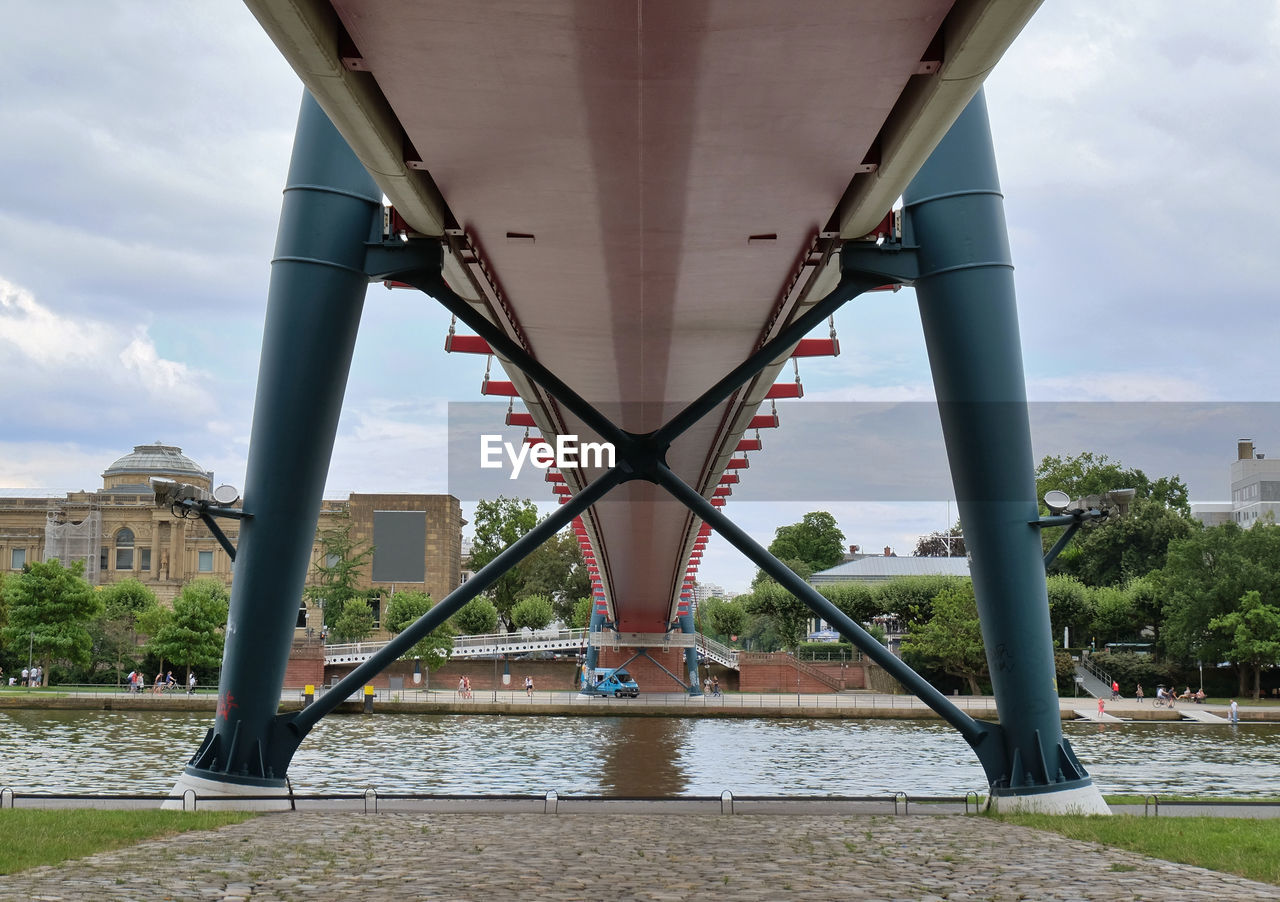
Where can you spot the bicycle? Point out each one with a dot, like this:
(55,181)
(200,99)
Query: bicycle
(1164,702)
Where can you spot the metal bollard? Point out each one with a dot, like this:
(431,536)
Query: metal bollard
(905,804)
(551,802)
(194,798)
(368,699)
(308,694)
(726,796)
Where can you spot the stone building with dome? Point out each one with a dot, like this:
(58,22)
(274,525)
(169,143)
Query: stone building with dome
(119,533)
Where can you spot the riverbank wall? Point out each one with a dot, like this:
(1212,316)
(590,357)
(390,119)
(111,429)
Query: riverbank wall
(504,702)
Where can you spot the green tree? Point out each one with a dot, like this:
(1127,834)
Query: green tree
(405,608)
(49,609)
(355,621)
(337,570)
(1205,577)
(193,636)
(721,618)
(125,606)
(1111,552)
(951,640)
(788,614)
(498,524)
(1252,632)
(557,570)
(911,597)
(1114,617)
(942,544)
(857,601)
(815,543)
(580,619)
(533,612)
(478,617)
(1070,606)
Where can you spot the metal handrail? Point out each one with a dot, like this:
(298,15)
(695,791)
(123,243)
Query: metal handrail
(1087,663)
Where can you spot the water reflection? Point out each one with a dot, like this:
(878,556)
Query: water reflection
(642,756)
(139,751)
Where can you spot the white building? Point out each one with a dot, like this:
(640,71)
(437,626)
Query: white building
(1255,486)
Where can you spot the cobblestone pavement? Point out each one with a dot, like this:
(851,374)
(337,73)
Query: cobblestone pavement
(490,857)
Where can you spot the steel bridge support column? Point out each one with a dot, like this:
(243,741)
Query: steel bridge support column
(690,655)
(318,283)
(955,215)
(594,625)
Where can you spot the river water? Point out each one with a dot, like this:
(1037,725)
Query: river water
(139,751)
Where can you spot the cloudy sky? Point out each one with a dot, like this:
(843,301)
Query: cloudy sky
(143,147)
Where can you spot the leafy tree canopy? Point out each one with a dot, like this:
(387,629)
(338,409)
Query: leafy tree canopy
(404,608)
(1111,552)
(194,635)
(49,608)
(354,622)
(816,541)
(788,615)
(1206,575)
(338,569)
(951,639)
(1093,474)
(942,544)
(533,612)
(478,617)
(580,619)
(1252,633)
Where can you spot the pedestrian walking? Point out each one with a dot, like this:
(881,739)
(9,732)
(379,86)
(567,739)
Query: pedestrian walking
(1101,706)
(1115,689)
(191,683)
(528,686)
(1235,712)
(1137,693)
(26,677)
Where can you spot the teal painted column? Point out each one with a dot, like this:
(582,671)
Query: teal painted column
(690,655)
(594,625)
(331,207)
(955,215)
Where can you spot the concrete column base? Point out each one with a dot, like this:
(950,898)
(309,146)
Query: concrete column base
(221,795)
(1076,800)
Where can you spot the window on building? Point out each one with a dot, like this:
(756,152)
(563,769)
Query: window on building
(375,604)
(104,557)
(302,616)
(124,549)
(17,558)
(144,559)
(204,563)
(332,560)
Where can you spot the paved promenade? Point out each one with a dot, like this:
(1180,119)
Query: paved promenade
(305,856)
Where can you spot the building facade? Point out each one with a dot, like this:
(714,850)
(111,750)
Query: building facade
(119,533)
(1255,486)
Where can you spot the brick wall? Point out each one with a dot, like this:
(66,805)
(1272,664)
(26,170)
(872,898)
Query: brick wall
(777,672)
(306,665)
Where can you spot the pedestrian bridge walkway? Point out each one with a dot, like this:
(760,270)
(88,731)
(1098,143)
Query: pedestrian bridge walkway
(554,641)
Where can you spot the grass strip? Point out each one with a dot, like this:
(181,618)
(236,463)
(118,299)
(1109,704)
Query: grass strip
(1244,846)
(33,837)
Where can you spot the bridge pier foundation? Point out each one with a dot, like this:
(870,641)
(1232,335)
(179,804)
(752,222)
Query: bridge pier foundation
(330,211)
(954,214)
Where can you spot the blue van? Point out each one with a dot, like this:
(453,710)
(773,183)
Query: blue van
(608,681)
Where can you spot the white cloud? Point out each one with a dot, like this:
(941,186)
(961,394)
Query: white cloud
(91,369)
